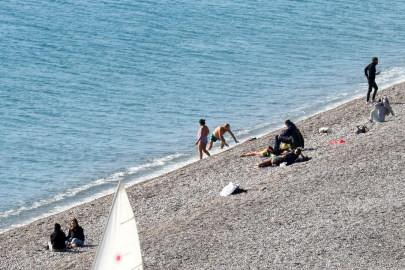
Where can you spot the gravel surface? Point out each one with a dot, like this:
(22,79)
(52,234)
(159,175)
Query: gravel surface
(343,209)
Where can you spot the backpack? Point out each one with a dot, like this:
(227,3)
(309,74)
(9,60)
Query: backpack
(361,129)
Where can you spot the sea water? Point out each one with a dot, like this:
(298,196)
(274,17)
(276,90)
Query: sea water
(92,92)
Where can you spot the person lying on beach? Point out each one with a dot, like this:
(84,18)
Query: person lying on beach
(75,237)
(203,139)
(57,239)
(285,134)
(264,153)
(287,157)
(218,134)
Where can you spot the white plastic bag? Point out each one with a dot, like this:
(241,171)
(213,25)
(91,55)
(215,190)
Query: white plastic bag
(229,189)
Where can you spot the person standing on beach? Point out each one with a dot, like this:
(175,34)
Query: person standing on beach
(371,78)
(218,134)
(202,141)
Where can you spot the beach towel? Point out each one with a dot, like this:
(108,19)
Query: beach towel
(337,142)
(229,189)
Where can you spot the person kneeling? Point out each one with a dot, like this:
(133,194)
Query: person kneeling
(289,158)
(75,237)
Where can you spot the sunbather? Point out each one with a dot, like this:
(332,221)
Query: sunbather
(287,157)
(264,153)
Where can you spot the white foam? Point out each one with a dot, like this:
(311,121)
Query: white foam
(115,177)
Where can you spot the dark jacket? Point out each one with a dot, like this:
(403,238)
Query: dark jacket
(371,72)
(58,239)
(296,139)
(290,158)
(287,133)
(76,233)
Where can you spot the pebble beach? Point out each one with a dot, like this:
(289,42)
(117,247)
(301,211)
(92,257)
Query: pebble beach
(343,209)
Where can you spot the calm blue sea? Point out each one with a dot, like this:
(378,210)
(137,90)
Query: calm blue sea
(96,91)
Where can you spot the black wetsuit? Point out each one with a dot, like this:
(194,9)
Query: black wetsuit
(371,80)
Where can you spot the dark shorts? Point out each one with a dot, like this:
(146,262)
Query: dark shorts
(278,160)
(213,138)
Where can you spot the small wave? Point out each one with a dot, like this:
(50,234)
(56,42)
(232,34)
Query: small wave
(390,76)
(115,177)
(155,162)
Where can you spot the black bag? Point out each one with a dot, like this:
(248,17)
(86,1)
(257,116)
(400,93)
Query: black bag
(361,129)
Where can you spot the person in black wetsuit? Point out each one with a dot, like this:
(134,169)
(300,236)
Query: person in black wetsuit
(371,78)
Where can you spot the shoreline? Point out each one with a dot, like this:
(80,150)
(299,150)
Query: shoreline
(109,191)
(175,211)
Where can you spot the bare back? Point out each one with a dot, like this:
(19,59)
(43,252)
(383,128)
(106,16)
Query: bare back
(219,131)
(205,131)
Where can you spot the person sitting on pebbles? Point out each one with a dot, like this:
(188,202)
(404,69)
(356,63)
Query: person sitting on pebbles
(285,134)
(381,110)
(218,134)
(286,157)
(75,237)
(57,238)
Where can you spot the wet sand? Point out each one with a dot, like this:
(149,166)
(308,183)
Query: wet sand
(345,208)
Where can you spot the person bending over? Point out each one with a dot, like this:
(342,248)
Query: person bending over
(58,238)
(218,134)
(371,78)
(288,157)
(285,134)
(75,237)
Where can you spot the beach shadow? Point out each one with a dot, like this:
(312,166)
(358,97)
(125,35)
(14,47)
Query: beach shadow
(88,246)
(399,103)
(76,251)
(309,149)
(239,190)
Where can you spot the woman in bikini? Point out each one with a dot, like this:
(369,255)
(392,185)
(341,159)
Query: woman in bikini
(203,139)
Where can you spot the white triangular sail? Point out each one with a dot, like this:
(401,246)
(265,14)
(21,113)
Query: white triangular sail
(119,247)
